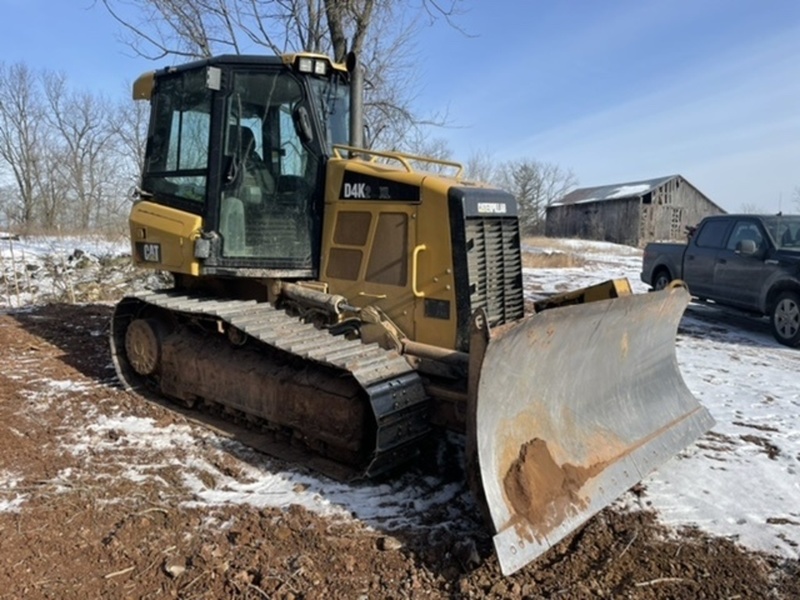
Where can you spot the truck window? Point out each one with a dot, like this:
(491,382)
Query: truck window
(745,230)
(712,235)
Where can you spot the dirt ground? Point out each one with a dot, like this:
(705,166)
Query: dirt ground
(73,525)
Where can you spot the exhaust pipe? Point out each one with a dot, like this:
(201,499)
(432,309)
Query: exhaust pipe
(356,101)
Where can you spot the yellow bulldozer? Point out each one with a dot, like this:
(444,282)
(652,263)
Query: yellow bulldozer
(348,303)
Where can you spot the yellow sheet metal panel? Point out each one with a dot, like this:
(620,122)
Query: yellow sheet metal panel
(163,238)
(436,310)
(396,223)
(354,225)
(606,290)
(143,86)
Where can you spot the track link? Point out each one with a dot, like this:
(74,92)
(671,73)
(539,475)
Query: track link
(393,390)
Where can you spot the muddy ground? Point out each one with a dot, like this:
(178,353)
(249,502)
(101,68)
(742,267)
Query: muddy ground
(77,525)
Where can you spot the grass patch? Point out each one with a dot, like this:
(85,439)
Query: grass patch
(557,244)
(555,254)
(552,260)
(572,245)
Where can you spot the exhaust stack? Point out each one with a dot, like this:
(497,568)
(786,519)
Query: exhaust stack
(356,101)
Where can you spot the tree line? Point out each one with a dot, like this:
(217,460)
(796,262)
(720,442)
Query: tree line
(68,159)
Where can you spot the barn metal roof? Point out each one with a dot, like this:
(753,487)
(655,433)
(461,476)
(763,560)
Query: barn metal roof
(614,191)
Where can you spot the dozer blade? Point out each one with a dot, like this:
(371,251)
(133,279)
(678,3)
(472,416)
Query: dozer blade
(574,406)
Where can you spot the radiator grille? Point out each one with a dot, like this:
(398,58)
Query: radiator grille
(495,268)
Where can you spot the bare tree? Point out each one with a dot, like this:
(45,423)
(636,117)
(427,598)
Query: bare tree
(81,123)
(796,198)
(7,193)
(536,185)
(202,28)
(380,32)
(65,157)
(749,208)
(434,148)
(480,166)
(22,139)
(130,121)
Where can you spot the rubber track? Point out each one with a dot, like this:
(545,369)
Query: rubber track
(395,391)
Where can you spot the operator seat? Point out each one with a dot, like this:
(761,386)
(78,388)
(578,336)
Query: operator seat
(242,145)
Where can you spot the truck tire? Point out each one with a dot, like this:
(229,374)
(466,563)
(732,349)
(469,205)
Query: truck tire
(661,279)
(785,319)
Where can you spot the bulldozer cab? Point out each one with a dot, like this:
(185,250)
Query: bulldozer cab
(240,142)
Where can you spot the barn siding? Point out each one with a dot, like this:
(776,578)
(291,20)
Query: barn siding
(670,209)
(662,214)
(611,220)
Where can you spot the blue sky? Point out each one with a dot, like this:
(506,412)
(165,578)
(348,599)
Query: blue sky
(627,90)
(616,90)
(76,37)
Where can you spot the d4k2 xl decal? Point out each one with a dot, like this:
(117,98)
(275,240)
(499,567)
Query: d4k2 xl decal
(356,186)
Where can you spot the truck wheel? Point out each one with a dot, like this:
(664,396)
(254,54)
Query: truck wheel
(786,319)
(661,279)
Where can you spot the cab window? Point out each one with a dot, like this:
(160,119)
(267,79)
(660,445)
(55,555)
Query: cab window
(745,230)
(712,235)
(178,158)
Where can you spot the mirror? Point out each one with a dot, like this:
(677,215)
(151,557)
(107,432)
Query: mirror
(302,124)
(746,248)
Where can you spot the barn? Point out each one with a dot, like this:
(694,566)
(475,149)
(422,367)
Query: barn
(633,213)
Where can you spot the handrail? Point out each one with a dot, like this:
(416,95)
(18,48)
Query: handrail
(414,257)
(402,157)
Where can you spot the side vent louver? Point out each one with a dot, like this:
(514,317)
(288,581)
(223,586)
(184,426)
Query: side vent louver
(495,268)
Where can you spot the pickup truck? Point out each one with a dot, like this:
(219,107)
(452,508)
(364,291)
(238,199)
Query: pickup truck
(749,262)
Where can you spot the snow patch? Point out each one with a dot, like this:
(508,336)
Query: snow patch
(629,190)
(10,499)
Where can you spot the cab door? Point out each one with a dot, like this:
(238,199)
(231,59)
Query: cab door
(700,257)
(738,278)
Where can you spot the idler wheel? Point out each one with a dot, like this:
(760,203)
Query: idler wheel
(143,345)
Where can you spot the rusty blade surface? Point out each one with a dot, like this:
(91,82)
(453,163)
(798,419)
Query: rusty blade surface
(574,406)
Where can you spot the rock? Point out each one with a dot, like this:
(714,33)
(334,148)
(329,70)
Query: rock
(243,577)
(388,543)
(350,563)
(463,586)
(174,569)
(499,588)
